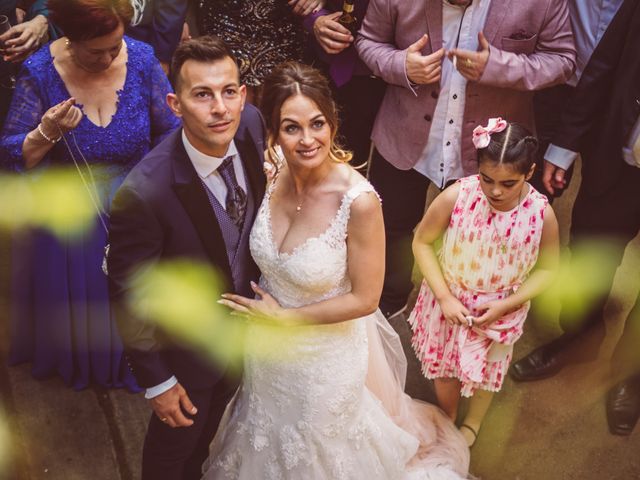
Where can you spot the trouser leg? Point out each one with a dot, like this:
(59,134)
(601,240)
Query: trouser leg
(403,194)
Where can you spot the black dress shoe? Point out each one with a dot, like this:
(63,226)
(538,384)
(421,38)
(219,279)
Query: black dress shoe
(539,364)
(623,407)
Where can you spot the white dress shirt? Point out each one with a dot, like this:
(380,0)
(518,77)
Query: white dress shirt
(207,169)
(589,21)
(441,158)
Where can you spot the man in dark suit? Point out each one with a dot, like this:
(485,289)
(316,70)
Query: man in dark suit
(194,196)
(602,123)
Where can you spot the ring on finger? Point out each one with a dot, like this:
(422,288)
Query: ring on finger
(163,419)
(469,62)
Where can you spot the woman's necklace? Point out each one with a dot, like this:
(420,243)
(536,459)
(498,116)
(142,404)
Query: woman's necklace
(504,239)
(305,191)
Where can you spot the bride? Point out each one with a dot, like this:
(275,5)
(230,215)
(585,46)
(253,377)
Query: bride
(326,401)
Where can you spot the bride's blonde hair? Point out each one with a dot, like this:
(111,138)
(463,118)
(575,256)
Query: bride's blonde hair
(287,80)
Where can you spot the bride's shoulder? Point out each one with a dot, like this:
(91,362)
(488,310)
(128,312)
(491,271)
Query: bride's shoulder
(359,195)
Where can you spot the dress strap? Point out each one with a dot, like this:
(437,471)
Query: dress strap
(355,191)
(338,229)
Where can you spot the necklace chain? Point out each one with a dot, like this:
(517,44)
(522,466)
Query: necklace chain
(503,239)
(304,191)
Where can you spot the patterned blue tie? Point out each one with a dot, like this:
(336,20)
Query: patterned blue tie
(236,201)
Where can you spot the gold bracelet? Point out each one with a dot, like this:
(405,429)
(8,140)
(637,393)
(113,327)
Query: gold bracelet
(50,140)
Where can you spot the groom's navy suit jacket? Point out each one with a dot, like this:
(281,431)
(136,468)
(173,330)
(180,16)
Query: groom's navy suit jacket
(162,212)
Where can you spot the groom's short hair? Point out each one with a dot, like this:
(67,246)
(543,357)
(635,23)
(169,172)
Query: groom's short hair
(207,48)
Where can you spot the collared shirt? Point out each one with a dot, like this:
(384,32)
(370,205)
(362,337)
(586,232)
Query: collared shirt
(589,20)
(207,168)
(441,158)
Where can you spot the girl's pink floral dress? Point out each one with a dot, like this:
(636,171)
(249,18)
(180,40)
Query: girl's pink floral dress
(486,255)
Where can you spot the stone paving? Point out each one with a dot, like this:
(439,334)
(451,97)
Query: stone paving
(549,430)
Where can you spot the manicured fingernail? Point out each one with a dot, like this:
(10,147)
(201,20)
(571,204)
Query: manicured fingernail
(253,284)
(194,410)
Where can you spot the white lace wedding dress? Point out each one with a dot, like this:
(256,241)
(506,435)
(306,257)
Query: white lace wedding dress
(326,402)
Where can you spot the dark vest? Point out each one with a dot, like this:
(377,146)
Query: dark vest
(243,269)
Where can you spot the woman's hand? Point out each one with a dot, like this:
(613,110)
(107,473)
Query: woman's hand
(24,38)
(305,7)
(453,310)
(493,310)
(263,307)
(61,118)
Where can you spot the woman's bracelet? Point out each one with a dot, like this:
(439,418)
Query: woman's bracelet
(44,135)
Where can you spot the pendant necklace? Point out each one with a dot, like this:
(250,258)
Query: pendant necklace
(304,192)
(503,239)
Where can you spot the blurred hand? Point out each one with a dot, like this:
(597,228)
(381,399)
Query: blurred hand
(61,118)
(20,15)
(453,310)
(305,7)
(423,69)
(265,306)
(171,405)
(332,37)
(24,38)
(470,64)
(553,177)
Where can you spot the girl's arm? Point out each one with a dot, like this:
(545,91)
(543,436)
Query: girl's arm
(429,231)
(365,263)
(542,276)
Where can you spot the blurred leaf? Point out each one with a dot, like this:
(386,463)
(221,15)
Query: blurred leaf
(54,199)
(181,296)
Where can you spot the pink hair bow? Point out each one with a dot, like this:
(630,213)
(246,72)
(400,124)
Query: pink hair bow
(482,135)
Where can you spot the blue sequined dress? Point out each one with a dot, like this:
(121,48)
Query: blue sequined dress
(60,315)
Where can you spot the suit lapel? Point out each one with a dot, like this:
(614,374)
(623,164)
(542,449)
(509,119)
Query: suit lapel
(495,16)
(191,193)
(251,160)
(433,11)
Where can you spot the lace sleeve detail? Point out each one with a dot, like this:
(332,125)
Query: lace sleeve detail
(338,231)
(163,121)
(27,108)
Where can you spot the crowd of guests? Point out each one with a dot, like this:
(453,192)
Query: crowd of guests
(489,103)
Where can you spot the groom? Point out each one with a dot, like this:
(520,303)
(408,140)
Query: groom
(194,196)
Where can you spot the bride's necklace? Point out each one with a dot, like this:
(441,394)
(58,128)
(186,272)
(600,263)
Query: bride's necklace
(503,240)
(305,190)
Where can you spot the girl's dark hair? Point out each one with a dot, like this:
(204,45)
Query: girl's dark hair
(88,19)
(290,79)
(514,146)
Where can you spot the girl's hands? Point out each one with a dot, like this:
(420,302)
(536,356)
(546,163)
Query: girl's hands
(454,311)
(493,310)
(263,307)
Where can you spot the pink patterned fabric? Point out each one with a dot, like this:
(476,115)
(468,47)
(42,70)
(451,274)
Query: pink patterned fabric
(477,270)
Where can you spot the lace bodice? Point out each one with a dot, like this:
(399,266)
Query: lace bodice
(316,269)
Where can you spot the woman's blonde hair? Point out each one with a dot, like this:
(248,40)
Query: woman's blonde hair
(287,80)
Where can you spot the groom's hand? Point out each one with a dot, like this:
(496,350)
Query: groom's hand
(169,406)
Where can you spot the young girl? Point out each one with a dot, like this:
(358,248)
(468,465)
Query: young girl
(499,249)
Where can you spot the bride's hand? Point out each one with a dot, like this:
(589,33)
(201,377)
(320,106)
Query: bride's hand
(265,306)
